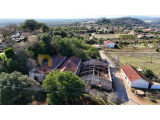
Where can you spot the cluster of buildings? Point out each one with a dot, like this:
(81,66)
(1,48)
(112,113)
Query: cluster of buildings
(94,72)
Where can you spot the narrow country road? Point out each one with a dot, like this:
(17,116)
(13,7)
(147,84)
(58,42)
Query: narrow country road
(120,86)
(91,36)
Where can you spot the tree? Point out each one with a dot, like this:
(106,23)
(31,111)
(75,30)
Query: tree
(63,33)
(46,38)
(92,52)
(8,30)
(45,28)
(148,73)
(30,64)
(9,52)
(16,88)
(21,57)
(29,24)
(11,65)
(63,87)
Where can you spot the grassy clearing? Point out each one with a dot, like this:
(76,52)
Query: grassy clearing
(106,36)
(140,59)
(143,49)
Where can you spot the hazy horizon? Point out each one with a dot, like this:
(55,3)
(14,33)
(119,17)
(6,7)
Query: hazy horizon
(89,17)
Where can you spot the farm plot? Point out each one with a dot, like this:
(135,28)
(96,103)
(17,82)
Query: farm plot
(144,60)
(106,36)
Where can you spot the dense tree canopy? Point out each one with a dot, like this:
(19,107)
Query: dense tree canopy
(16,88)
(30,24)
(9,52)
(148,73)
(63,87)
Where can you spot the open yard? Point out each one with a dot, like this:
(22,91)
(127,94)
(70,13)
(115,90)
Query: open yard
(107,36)
(144,60)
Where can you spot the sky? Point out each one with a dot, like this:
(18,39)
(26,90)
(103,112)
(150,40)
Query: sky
(55,9)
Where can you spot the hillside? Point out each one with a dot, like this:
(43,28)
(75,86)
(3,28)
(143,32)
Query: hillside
(127,21)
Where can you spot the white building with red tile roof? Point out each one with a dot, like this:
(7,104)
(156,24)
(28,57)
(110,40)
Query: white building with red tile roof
(134,77)
(109,43)
(140,36)
(132,32)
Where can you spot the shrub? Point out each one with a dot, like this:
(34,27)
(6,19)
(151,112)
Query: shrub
(9,52)
(133,90)
(157,50)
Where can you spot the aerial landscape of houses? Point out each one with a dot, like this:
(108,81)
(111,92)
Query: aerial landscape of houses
(90,61)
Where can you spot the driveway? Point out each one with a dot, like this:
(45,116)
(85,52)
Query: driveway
(119,83)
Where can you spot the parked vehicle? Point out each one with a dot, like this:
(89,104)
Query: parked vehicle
(24,39)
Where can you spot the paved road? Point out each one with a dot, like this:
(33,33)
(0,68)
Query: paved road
(91,36)
(120,86)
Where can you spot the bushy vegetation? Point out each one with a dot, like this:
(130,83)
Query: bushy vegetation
(9,52)
(16,88)
(149,74)
(31,25)
(63,87)
(122,37)
(69,47)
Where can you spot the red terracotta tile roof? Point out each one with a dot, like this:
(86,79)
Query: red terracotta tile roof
(45,69)
(133,32)
(108,41)
(70,64)
(140,35)
(133,74)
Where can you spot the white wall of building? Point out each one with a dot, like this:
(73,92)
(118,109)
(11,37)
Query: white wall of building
(110,45)
(126,78)
(140,83)
(156,86)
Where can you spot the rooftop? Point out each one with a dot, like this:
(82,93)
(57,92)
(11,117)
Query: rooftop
(133,74)
(108,41)
(70,64)
(45,69)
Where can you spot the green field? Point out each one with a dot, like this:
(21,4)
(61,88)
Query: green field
(140,59)
(106,36)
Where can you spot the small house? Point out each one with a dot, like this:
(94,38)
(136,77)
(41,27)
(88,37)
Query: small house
(134,77)
(109,44)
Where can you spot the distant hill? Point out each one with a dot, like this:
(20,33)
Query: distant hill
(144,18)
(49,22)
(126,21)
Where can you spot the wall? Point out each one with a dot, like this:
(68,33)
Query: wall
(105,84)
(78,68)
(111,45)
(155,86)
(125,76)
(140,83)
(40,77)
